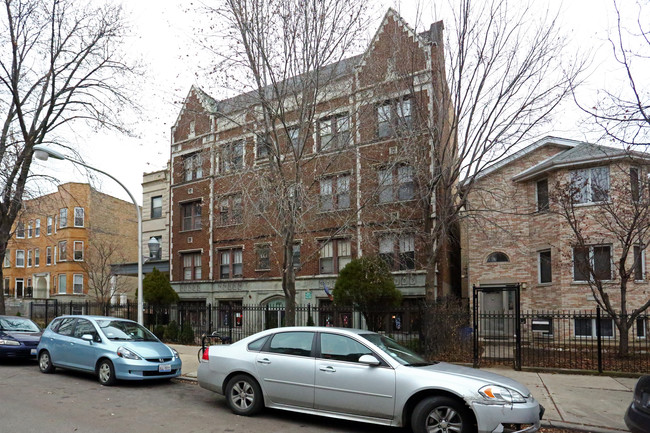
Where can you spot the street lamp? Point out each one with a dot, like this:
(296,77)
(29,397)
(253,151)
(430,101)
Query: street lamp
(43,153)
(154,247)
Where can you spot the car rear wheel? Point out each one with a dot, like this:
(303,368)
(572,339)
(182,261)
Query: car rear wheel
(106,373)
(45,362)
(441,415)
(244,395)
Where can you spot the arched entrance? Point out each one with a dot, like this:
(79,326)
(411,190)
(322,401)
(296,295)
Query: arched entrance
(274,313)
(41,286)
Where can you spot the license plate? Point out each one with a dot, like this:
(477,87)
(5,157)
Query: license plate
(32,352)
(165,368)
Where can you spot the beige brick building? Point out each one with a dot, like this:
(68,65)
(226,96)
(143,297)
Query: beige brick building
(359,198)
(516,234)
(48,254)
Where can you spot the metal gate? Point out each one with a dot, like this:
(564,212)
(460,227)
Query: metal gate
(497,333)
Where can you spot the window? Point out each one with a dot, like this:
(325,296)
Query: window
(639,263)
(85,327)
(396,184)
(192,131)
(596,259)
(292,343)
(63,251)
(30,229)
(78,217)
(48,256)
(263,257)
(586,327)
(78,284)
(231,265)
(228,309)
(192,167)
(78,251)
(37,257)
(398,251)
(334,132)
(192,266)
(545,270)
(542,195)
(230,211)
(335,192)
(634,183)
(191,215)
(341,348)
(263,145)
(63,218)
(49,225)
(294,138)
(156,207)
(7,259)
(498,257)
(334,255)
(590,185)
(66,326)
(641,327)
(30,258)
(394,118)
(232,157)
(62,284)
(296,255)
(37,228)
(20,230)
(7,282)
(20,258)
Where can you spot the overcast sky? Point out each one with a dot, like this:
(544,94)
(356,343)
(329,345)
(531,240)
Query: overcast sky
(163,40)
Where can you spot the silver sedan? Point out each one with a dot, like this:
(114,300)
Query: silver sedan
(363,376)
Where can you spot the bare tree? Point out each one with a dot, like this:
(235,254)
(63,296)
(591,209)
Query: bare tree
(281,49)
(614,231)
(101,252)
(505,71)
(60,63)
(623,114)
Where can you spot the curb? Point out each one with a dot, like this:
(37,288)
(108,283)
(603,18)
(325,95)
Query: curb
(580,427)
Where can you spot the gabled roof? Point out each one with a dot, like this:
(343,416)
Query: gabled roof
(546,141)
(582,154)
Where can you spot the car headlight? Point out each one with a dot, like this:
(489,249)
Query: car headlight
(175,352)
(123,352)
(5,342)
(499,394)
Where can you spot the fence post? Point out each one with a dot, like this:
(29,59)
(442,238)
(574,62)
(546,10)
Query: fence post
(31,310)
(599,339)
(475,324)
(518,327)
(209,318)
(47,304)
(230,321)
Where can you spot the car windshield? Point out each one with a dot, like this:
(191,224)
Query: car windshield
(127,331)
(17,324)
(399,353)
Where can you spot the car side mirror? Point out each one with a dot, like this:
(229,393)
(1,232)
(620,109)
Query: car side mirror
(88,337)
(369,360)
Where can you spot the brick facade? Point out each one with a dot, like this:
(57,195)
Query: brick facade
(396,67)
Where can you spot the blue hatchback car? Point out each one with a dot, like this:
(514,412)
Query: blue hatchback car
(112,348)
(19,337)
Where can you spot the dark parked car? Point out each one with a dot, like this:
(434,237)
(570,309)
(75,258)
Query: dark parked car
(637,417)
(19,337)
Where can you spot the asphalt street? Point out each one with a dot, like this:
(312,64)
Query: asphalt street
(33,402)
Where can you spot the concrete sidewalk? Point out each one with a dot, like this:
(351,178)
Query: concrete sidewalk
(590,403)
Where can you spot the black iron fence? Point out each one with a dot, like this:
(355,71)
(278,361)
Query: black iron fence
(581,340)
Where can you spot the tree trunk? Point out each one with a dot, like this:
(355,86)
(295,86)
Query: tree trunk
(623,338)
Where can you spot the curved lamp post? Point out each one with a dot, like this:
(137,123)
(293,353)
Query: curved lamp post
(44,153)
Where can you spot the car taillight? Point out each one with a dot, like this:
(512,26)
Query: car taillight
(206,354)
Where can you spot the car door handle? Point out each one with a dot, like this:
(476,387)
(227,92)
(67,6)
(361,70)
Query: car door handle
(264,361)
(327,369)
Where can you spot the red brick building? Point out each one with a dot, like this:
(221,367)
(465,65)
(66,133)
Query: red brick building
(358,187)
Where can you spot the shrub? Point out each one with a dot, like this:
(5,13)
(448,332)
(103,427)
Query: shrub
(171,331)
(159,331)
(187,334)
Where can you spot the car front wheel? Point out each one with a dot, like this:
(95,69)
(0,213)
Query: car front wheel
(244,395)
(45,362)
(106,373)
(441,415)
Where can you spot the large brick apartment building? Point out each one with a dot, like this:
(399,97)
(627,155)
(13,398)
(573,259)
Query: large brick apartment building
(360,195)
(518,233)
(51,239)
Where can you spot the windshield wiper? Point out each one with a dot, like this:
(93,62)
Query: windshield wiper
(420,364)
